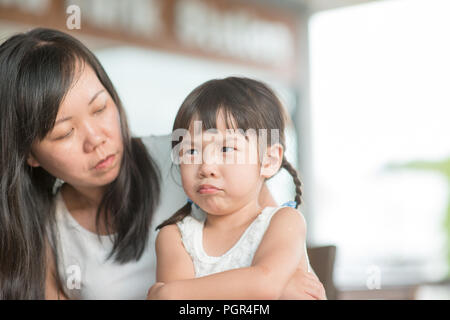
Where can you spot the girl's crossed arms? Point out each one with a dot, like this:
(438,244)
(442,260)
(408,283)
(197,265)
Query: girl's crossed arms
(279,254)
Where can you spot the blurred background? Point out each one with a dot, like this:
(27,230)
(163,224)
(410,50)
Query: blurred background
(366,83)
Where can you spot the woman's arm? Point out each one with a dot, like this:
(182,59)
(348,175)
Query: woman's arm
(274,263)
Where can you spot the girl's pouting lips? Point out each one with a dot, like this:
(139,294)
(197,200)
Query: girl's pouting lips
(208,189)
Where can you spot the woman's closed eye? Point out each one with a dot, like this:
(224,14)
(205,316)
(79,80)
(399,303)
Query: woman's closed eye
(63,136)
(100,110)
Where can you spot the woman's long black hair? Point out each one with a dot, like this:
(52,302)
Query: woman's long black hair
(37,69)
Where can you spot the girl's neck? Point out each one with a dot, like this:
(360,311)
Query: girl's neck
(239,218)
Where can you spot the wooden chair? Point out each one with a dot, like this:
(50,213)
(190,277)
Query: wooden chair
(322,261)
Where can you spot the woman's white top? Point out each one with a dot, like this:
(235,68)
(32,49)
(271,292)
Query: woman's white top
(85,271)
(240,255)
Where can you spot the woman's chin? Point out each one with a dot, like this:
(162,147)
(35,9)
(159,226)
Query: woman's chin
(98,181)
(108,178)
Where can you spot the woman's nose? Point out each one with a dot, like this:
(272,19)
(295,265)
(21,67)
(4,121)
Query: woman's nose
(93,137)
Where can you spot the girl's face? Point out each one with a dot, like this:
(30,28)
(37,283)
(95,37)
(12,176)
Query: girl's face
(220,172)
(85,147)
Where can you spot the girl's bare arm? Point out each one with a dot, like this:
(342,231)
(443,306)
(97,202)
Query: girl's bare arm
(173,262)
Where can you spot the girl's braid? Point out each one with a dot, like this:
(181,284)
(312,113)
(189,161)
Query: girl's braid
(298,191)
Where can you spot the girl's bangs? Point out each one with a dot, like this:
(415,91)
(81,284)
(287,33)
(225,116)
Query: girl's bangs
(210,118)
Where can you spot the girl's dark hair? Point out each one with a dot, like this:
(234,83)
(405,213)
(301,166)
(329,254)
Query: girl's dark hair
(246,104)
(37,69)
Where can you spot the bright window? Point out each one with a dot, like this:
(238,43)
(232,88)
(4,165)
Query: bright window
(380,81)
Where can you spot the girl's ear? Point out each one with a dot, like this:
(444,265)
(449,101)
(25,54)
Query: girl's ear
(272,159)
(32,162)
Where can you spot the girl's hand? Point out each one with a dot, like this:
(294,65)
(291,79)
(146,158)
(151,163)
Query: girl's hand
(154,293)
(304,285)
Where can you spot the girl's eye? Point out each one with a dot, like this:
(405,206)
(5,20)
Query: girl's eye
(191,152)
(227,149)
(65,136)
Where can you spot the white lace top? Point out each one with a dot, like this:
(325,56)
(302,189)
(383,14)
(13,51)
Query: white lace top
(239,256)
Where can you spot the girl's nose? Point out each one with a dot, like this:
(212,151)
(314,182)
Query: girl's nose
(208,170)
(209,165)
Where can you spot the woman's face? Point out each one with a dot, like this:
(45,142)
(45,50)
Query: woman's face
(85,146)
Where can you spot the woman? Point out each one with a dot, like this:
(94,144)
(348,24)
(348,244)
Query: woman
(91,238)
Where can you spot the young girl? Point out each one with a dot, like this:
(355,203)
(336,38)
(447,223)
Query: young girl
(222,244)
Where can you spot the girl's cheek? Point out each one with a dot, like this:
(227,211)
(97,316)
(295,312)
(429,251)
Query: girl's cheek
(186,175)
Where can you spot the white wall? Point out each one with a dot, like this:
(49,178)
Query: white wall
(380,77)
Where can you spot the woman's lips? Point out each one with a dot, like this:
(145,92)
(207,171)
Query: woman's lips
(106,163)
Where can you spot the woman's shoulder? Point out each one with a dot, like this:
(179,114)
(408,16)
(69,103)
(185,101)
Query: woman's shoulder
(60,208)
